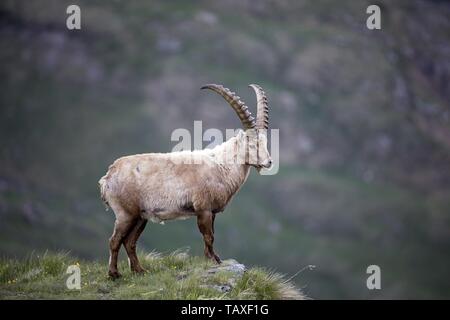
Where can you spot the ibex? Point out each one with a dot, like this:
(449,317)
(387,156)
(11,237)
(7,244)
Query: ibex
(168,186)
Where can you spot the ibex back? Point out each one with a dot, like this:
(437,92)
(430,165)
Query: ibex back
(179,185)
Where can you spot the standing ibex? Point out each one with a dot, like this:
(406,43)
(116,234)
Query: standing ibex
(177,185)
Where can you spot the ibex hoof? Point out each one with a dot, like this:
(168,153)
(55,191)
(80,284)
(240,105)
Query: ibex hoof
(214,257)
(113,275)
(139,270)
(217,259)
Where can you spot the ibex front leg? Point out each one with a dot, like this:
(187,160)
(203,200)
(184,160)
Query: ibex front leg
(205,222)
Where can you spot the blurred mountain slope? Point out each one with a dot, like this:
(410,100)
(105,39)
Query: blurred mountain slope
(363,116)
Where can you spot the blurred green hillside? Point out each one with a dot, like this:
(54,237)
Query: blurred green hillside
(364,119)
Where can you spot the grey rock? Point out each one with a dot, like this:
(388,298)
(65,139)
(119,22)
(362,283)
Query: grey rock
(229,265)
(221,288)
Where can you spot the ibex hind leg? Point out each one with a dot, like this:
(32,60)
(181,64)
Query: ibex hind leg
(130,244)
(122,226)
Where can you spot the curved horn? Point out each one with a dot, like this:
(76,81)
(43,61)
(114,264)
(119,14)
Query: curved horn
(241,109)
(262,113)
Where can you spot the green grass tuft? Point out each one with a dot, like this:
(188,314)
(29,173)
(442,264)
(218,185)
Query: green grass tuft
(173,276)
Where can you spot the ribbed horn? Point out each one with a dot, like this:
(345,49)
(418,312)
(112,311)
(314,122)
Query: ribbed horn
(234,101)
(262,113)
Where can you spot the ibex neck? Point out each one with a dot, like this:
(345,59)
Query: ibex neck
(230,157)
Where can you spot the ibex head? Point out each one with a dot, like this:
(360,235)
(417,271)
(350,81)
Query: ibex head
(255,134)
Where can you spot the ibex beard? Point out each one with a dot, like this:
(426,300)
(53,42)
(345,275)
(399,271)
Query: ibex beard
(178,185)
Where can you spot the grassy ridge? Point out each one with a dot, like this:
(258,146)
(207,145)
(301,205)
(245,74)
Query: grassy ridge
(173,276)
